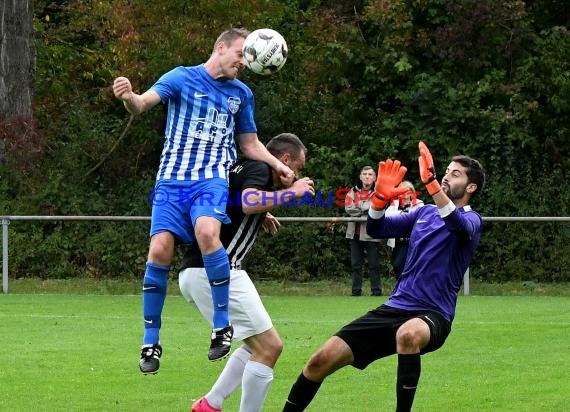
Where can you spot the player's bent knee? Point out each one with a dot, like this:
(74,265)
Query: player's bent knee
(206,226)
(267,346)
(161,250)
(406,338)
(316,363)
(272,342)
(272,352)
(276,347)
(323,363)
(411,340)
(207,233)
(272,347)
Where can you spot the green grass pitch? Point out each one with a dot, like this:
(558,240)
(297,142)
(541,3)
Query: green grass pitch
(80,353)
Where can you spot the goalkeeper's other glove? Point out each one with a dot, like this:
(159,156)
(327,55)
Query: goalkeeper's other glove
(427,170)
(390,175)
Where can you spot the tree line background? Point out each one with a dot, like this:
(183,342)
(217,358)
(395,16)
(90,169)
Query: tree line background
(364,81)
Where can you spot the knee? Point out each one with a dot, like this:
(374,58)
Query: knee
(316,364)
(408,341)
(160,252)
(333,355)
(271,346)
(275,348)
(207,235)
(267,350)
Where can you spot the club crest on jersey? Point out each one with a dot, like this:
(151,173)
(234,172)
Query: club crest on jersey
(233,104)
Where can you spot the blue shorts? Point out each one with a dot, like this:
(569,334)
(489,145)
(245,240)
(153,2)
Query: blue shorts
(177,204)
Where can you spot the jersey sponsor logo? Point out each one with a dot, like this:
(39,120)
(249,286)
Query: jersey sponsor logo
(219,212)
(213,127)
(199,95)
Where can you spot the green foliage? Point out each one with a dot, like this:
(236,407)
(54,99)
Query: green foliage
(364,81)
(60,250)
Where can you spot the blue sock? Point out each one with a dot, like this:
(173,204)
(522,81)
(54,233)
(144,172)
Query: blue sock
(154,294)
(217,268)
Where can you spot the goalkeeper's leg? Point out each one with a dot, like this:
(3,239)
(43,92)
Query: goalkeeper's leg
(333,355)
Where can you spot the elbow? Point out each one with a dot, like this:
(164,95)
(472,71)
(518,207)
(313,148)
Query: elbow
(250,210)
(138,110)
(134,112)
(245,150)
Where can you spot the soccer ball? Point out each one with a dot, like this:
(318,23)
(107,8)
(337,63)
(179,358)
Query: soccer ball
(264,51)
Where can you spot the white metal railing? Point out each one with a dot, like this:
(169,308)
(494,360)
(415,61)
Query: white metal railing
(5,220)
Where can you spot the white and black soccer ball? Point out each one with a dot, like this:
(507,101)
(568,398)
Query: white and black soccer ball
(264,51)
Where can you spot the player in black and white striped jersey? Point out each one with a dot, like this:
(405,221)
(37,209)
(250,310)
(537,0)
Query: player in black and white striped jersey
(251,197)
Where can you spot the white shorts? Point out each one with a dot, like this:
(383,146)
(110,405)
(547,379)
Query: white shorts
(247,313)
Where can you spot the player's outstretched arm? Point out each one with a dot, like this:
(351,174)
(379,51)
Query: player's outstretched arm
(134,103)
(253,149)
(259,201)
(390,175)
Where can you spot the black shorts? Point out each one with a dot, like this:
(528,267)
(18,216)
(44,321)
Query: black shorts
(373,335)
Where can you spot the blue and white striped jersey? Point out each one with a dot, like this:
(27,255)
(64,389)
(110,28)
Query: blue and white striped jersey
(203,116)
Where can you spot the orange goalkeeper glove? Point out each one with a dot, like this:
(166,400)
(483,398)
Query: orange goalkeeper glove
(390,175)
(427,170)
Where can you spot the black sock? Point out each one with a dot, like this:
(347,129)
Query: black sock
(302,393)
(409,369)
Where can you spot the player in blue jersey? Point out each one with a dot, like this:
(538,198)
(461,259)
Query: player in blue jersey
(208,109)
(417,317)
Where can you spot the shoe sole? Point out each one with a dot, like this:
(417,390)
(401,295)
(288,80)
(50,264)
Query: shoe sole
(154,372)
(149,372)
(219,359)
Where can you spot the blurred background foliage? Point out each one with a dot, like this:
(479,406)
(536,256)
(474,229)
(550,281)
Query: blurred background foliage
(364,81)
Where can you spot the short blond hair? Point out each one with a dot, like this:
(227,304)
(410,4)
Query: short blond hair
(230,35)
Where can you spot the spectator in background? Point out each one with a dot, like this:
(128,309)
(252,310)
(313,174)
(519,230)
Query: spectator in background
(407,202)
(357,205)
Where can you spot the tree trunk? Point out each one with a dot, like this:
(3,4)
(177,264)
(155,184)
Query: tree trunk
(16,59)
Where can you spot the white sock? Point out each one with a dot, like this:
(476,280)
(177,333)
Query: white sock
(230,378)
(256,381)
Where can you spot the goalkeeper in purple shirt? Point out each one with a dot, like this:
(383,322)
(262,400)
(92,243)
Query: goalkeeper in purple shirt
(418,315)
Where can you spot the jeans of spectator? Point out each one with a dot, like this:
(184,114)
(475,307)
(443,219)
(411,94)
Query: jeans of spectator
(357,251)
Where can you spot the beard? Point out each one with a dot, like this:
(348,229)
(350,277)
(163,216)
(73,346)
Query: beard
(454,193)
